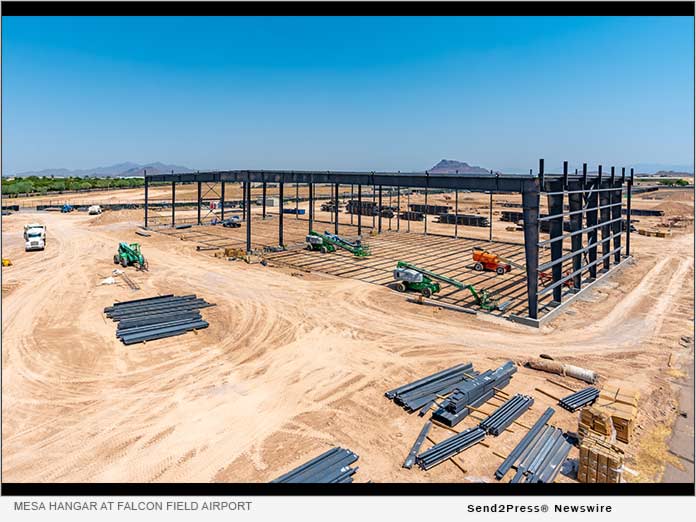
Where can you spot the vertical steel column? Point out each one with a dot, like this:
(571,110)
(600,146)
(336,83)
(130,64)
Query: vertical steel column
(311,205)
(628,215)
(591,215)
(391,207)
(248,215)
(244,195)
(555,205)
(379,209)
(398,208)
(373,200)
(616,214)
(456,212)
(336,187)
(147,183)
(352,203)
(297,199)
(199,203)
(530,211)
(280,214)
(263,203)
(604,214)
(222,200)
(359,209)
(408,205)
(425,224)
(575,205)
(173,202)
(490,218)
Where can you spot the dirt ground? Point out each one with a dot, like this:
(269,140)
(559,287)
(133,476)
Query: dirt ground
(295,362)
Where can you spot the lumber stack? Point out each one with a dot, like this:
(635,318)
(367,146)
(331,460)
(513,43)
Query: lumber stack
(621,404)
(331,467)
(600,461)
(423,392)
(595,421)
(157,317)
(473,393)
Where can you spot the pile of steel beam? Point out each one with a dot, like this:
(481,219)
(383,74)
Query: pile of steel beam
(450,447)
(473,393)
(498,421)
(423,392)
(577,400)
(472,220)
(435,210)
(331,467)
(411,458)
(541,460)
(157,317)
(412,216)
(522,446)
(643,212)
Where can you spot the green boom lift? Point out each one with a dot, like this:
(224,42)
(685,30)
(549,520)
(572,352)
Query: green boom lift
(412,277)
(356,248)
(130,255)
(315,241)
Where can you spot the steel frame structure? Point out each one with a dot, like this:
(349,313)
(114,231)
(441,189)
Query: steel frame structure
(595,206)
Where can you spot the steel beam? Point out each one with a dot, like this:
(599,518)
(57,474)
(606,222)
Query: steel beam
(604,216)
(222,200)
(280,214)
(337,187)
(555,205)
(147,182)
(248,215)
(591,216)
(575,204)
(173,202)
(198,206)
(490,217)
(616,216)
(263,203)
(359,209)
(628,215)
(398,209)
(244,203)
(456,211)
(379,209)
(530,210)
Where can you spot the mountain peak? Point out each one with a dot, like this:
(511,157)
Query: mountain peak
(446,166)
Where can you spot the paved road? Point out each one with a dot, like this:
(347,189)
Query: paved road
(682,442)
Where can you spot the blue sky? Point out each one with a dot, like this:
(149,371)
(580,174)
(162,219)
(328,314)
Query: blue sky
(346,93)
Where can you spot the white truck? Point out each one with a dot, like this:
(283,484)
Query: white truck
(34,237)
(94,210)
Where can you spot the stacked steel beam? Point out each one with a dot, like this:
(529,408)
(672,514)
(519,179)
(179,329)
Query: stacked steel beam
(501,418)
(330,467)
(423,392)
(450,447)
(464,219)
(473,393)
(157,317)
(542,459)
(577,400)
(522,446)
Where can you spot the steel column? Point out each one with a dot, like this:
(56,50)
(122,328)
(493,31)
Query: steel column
(244,195)
(263,203)
(359,209)
(591,216)
(379,209)
(615,197)
(398,208)
(280,215)
(408,206)
(297,200)
(628,214)
(199,203)
(555,205)
(425,220)
(575,204)
(604,216)
(336,187)
(456,212)
(530,210)
(490,218)
(374,189)
(222,200)
(173,202)
(311,205)
(146,196)
(352,198)
(248,215)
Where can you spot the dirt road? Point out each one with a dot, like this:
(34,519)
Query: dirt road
(291,364)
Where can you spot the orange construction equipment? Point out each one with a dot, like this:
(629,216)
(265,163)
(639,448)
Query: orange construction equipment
(488,261)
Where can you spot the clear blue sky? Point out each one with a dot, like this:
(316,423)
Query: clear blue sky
(346,93)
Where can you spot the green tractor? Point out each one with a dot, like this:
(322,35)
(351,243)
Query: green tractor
(414,278)
(129,255)
(317,242)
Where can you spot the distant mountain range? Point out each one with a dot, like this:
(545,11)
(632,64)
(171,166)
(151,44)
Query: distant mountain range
(446,166)
(120,170)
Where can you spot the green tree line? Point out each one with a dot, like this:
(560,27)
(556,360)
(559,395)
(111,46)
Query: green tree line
(44,185)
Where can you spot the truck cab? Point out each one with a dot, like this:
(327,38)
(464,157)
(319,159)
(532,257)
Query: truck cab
(94,210)
(34,237)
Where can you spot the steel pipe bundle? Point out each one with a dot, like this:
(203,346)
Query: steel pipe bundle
(330,467)
(577,400)
(541,461)
(501,418)
(473,393)
(423,392)
(157,317)
(450,447)
(528,439)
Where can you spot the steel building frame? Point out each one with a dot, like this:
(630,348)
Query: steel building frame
(595,206)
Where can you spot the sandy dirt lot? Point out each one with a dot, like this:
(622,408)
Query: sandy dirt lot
(293,362)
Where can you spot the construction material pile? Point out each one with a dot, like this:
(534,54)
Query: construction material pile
(577,400)
(600,461)
(464,219)
(330,467)
(501,418)
(542,459)
(450,447)
(157,317)
(473,392)
(621,404)
(523,447)
(595,421)
(423,392)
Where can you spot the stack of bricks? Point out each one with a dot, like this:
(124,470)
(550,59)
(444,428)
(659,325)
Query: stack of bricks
(595,421)
(600,461)
(621,404)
